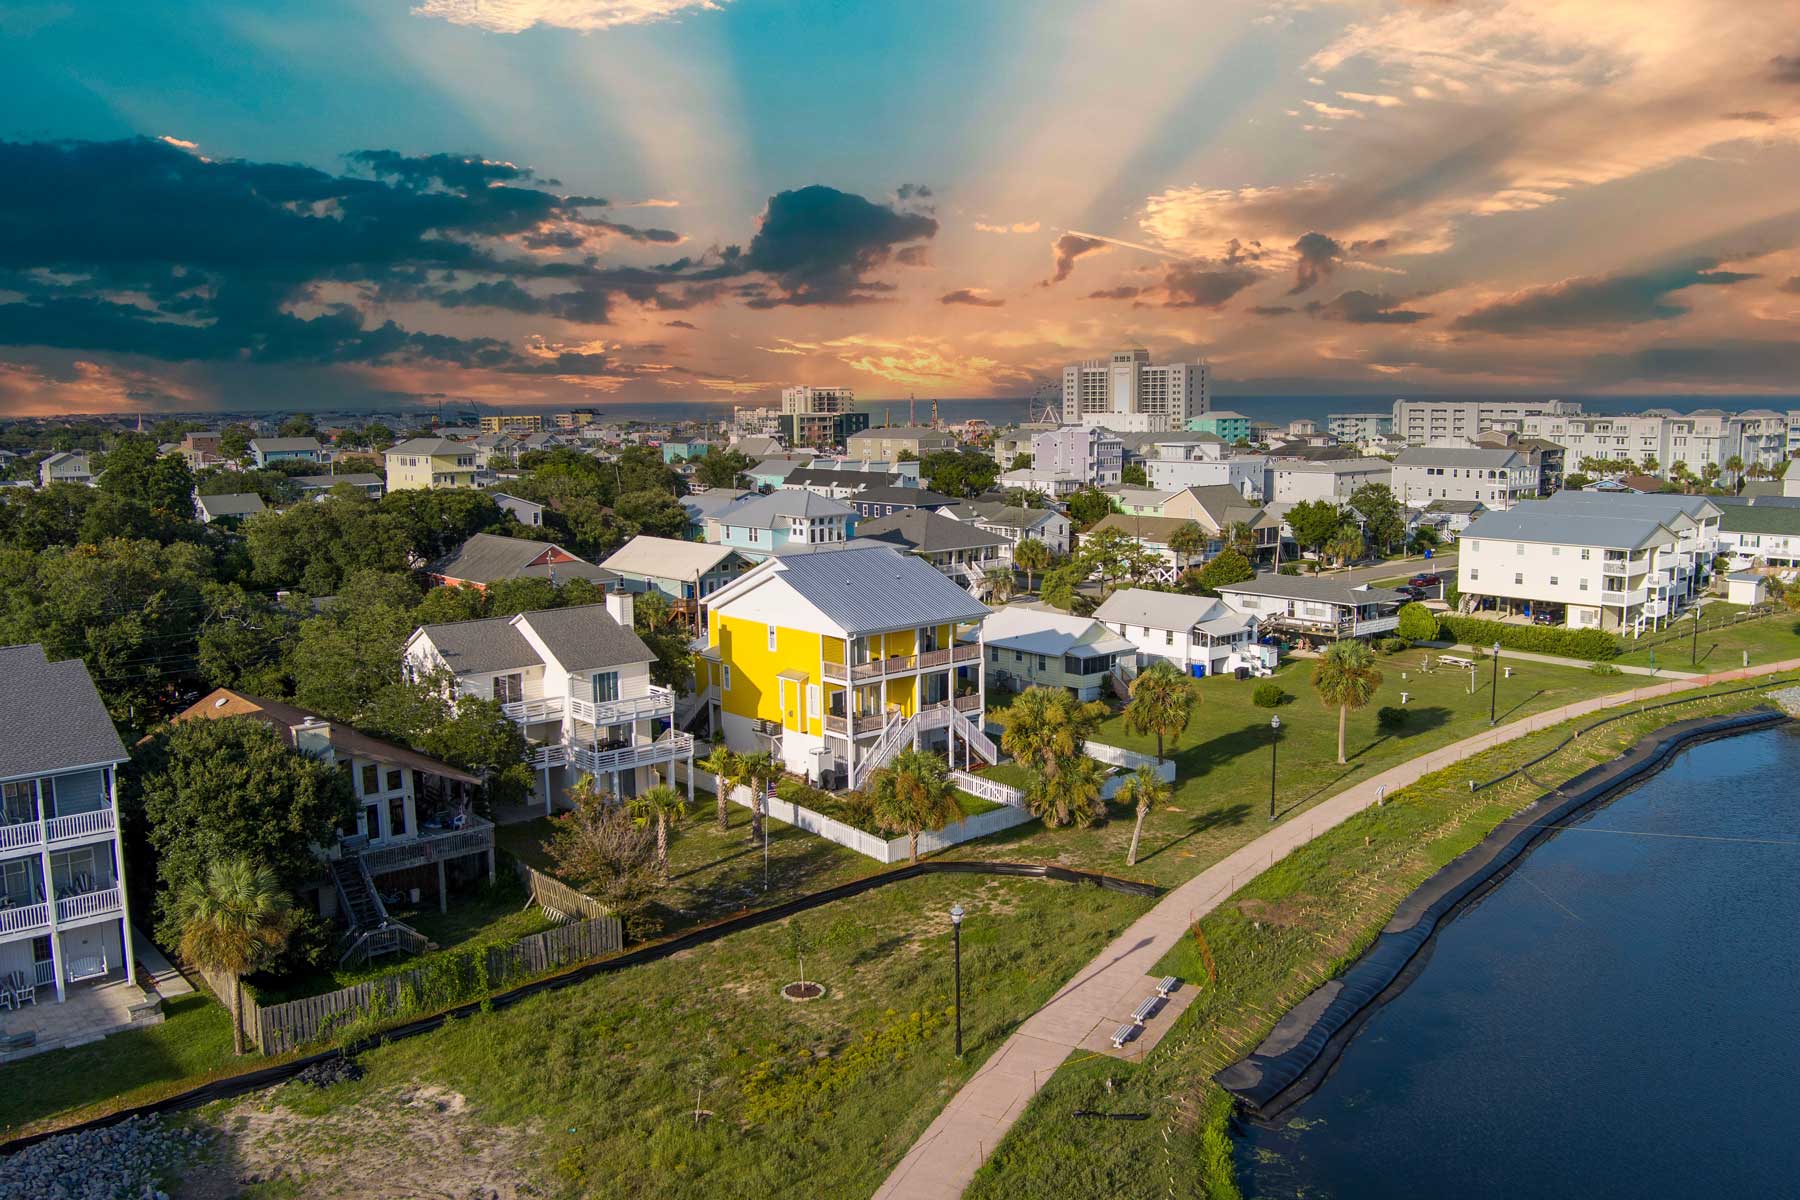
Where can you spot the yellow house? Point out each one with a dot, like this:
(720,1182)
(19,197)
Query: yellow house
(430,463)
(836,659)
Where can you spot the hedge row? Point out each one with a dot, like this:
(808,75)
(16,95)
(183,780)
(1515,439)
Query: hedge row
(1590,644)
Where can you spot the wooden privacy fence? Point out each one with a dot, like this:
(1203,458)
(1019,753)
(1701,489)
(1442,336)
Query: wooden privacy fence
(449,978)
(557,898)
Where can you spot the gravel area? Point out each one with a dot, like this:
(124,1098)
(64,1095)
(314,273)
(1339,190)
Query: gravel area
(126,1161)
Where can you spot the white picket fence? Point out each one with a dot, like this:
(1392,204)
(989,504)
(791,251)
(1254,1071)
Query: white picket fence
(988,789)
(1113,756)
(882,850)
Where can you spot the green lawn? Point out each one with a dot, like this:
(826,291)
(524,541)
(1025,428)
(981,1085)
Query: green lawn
(193,1042)
(1290,929)
(1221,794)
(1721,644)
(492,915)
(805,1100)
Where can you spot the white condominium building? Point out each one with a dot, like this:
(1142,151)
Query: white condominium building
(807,400)
(1085,453)
(1419,422)
(1497,478)
(1590,560)
(1707,435)
(1130,394)
(1360,427)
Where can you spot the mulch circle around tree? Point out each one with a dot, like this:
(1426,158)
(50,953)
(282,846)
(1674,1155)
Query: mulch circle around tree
(803,991)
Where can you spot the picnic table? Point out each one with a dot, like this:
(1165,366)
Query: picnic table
(1451,660)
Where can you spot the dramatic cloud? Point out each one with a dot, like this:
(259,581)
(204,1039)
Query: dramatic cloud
(818,244)
(1122,292)
(1069,247)
(1269,310)
(1363,308)
(1792,285)
(1317,257)
(584,16)
(1624,299)
(1015,227)
(1785,68)
(1203,285)
(970,296)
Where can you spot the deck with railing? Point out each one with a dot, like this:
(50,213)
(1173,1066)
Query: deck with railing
(26,835)
(475,837)
(665,749)
(901,664)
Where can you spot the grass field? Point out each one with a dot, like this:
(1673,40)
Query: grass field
(1284,933)
(1221,794)
(1721,647)
(803,1100)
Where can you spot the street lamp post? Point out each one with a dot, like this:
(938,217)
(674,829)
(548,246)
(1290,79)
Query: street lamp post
(1694,651)
(1274,741)
(956,916)
(1494,691)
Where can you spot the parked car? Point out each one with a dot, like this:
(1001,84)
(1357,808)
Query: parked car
(1425,581)
(1411,592)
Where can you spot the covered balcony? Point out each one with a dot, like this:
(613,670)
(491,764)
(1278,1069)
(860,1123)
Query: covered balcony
(625,753)
(55,810)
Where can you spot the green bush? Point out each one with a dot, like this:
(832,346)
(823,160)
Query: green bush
(1603,668)
(1545,639)
(1417,623)
(1288,569)
(1268,695)
(1391,645)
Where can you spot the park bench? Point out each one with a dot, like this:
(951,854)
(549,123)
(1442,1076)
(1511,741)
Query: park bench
(1451,660)
(1167,984)
(1143,1010)
(1123,1034)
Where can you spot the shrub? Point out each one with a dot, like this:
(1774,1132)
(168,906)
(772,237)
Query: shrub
(1288,569)
(1391,645)
(1417,623)
(798,791)
(1268,695)
(1603,668)
(1590,644)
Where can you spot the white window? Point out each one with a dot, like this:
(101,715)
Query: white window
(1474,573)
(771,638)
(1518,579)
(1553,581)
(812,700)
(1556,552)
(1585,552)
(1584,584)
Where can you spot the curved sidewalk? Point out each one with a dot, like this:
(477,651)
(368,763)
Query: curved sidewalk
(945,1158)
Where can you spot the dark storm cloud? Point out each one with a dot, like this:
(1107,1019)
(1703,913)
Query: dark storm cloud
(1785,68)
(818,245)
(1066,249)
(1591,301)
(681,325)
(1751,360)
(1792,285)
(454,171)
(1122,292)
(1756,115)
(1364,308)
(971,297)
(1269,310)
(1201,284)
(1319,256)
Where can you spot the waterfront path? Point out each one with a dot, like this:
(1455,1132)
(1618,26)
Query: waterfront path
(945,1158)
(1556,660)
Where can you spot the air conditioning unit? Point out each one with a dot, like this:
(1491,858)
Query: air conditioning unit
(766,728)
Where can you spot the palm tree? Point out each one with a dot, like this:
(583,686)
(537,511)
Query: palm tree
(1651,464)
(1031,556)
(1346,546)
(913,793)
(1242,538)
(723,764)
(1047,726)
(1345,678)
(1143,791)
(667,808)
(1162,700)
(1735,465)
(998,583)
(757,770)
(1186,542)
(234,919)
(1069,795)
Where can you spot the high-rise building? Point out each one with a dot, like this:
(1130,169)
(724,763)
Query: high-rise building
(820,416)
(513,423)
(575,418)
(796,400)
(1421,422)
(1127,393)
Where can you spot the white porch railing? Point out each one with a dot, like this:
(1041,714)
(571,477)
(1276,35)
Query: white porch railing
(88,904)
(532,712)
(667,748)
(657,702)
(1375,625)
(26,917)
(21,835)
(545,758)
(44,973)
(77,825)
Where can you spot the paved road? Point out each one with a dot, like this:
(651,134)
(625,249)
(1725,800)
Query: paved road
(1439,564)
(1101,995)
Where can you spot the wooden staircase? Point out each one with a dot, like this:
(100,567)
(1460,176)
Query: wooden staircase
(372,931)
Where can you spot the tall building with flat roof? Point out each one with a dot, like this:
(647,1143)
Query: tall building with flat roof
(1128,393)
(1421,422)
(817,400)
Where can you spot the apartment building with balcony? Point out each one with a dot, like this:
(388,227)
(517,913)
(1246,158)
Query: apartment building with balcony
(1499,478)
(577,682)
(836,660)
(1617,562)
(64,926)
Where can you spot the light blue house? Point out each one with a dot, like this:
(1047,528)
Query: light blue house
(680,451)
(296,449)
(781,520)
(1228,426)
(773,472)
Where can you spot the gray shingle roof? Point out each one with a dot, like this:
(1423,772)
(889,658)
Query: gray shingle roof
(764,510)
(1158,610)
(913,496)
(429,446)
(487,557)
(322,482)
(586,638)
(878,588)
(1550,525)
(1307,587)
(232,504)
(477,647)
(1761,518)
(287,445)
(820,477)
(55,720)
(1659,505)
(927,532)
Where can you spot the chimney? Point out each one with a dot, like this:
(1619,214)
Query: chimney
(313,736)
(619,606)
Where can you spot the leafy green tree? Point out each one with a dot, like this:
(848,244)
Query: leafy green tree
(911,794)
(378,436)
(1314,523)
(1061,582)
(1020,462)
(210,790)
(1142,791)
(1345,678)
(1112,554)
(649,514)
(1162,702)
(242,638)
(234,918)
(1047,726)
(1088,507)
(299,425)
(35,520)
(528,593)
(997,584)
(1134,475)
(1241,537)
(721,468)
(1346,545)
(1417,623)
(349,652)
(1188,542)
(1226,567)
(604,850)
(132,470)
(444,605)
(959,472)
(1384,521)
(1031,556)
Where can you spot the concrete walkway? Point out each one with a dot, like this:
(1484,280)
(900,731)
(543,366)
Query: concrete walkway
(945,1158)
(1580,664)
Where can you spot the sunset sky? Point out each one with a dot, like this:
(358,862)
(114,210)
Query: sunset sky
(547,202)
